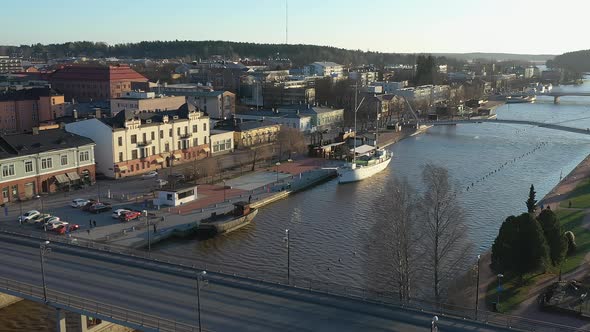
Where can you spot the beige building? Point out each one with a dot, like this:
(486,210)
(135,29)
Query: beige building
(252,133)
(130,144)
(222,141)
(139,101)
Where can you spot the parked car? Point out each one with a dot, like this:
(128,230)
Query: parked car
(28,215)
(56,224)
(79,202)
(161,182)
(39,218)
(88,205)
(149,175)
(100,207)
(63,228)
(131,215)
(177,176)
(118,212)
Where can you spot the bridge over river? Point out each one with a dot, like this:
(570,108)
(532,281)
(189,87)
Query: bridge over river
(556,94)
(142,291)
(555,126)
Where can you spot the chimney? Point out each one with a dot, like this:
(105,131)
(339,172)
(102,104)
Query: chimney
(35,130)
(75,113)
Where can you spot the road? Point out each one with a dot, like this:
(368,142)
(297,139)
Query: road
(228,304)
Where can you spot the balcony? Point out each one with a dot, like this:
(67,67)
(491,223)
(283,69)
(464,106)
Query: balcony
(144,143)
(186,135)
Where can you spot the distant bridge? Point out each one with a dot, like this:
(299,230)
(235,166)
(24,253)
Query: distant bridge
(558,94)
(522,122)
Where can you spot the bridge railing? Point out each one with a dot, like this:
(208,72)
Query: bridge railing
(318,286)
(85,305)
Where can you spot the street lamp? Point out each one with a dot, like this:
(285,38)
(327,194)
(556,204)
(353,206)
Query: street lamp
(223,191)
(200,278)
(147,222)
(44,250)
(500,276)
(477,288)
(287,240)
(278,164)
(39,197)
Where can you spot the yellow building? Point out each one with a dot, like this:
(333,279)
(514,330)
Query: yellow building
(252,133)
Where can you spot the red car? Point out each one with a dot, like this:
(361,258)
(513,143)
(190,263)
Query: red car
(130,216)
(62,229)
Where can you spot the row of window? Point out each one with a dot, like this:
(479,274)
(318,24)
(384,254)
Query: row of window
(144,152)
(222,145)
(46,163)
(153,134)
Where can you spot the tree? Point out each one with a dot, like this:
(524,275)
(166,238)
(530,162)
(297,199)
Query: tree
(290,141)
(556,241)
(425,70)
(531,203)
(520,247)
(401,231)
(444,228)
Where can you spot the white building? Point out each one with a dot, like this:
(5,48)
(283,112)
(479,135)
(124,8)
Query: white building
(140,101)
(324,69)
(176,196)
(222,141)
(431,94)
(295,120)
(130,144)
(390,87)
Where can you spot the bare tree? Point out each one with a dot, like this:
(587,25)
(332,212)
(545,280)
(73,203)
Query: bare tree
(401,202)
(290,140)
(444,229)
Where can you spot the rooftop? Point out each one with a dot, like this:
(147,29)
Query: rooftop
(27,94)
(97,73)
(46,140)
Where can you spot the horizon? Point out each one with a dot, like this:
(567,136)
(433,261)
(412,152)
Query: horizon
(378,26)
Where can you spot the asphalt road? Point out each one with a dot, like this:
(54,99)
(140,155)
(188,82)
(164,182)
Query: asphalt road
(227,304)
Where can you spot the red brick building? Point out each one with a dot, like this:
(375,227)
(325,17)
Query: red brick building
(85,82)
(21,110)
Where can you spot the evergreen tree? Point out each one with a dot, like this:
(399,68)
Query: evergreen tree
(556,241)
(531,203)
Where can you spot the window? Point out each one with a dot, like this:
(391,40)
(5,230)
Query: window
(205,140)
(46,163)
(178,145)
(161,134)
(64,159)
(195,128)
(120,141)
(195,142)
(178,131)
(170,132)
(120,156)
(84,156)
(144,137)
(7,170)
(131,168)
(167,147)
(28,166)
(153,150)
(134,154)
(133,139)
(153,135)
(205,126)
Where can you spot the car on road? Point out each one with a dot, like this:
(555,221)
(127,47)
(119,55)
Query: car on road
(100,207)
(118,212)
(63,228)
(79,202)
(161,182)
(56,224)
(149,175)
(131,215)
(39,218)
(88,205)
(28,215)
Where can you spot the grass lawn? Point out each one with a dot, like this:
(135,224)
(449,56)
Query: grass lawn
(580,197)
(513,292)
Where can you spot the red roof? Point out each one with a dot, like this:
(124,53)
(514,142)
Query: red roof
(97,73)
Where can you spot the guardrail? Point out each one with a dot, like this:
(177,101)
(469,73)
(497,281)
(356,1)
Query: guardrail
(377,296)
(86,306)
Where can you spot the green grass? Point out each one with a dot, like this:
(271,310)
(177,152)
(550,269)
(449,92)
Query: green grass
(514,291)
(573,221)
(580,197)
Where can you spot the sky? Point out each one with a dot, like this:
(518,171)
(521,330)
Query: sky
(408,26)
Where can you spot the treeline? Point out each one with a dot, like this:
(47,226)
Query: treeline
(194,50)
(578,62)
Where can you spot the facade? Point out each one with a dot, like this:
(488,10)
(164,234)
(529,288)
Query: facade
(251,133)
(390,87)
(295,120)
(324,69)
(532,71)
(321,117)
(176,196)
(430,94)
(21,110)
(10,65)
(217,104)
(130,144)
(139,101)
(363,77)
(86,83)
(44,161)
(298,92)
(221,141)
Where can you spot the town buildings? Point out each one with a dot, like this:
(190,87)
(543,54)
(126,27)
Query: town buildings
(299,92)
(250,133)
(139,101)
(23,109)
(10,65)
(217,104)
(430,94)
(324,69)
(47,160)
(221,141)
(133,143)
(295,120)
(89,82)
(321,117)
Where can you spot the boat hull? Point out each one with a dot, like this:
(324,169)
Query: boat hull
(347,175)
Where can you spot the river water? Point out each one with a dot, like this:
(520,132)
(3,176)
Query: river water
(332,238)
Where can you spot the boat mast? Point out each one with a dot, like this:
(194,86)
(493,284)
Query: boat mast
(356,93)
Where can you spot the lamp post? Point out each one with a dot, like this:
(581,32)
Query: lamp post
(44,249)
(500,276)
(278,164)
(200,278)
(287,240)
(39,197)
(224,191)
(147,222)
(477,288)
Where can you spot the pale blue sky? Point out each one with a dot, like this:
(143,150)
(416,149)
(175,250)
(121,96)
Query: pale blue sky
(515,26)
